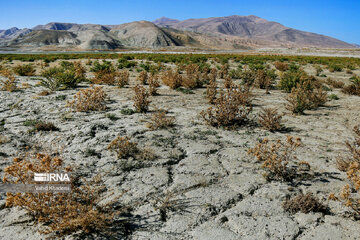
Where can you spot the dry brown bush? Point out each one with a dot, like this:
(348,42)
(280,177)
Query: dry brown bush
(305,97)
(281,66)
(304,203)
(142,77)
(211,90)
(172,79)
(350,194)
(46,126)
(270,119)
(123,147)
(59,213)
(224,70)
(228,83)
(264,80)
(343,163)
(123,78)
(141,102)
(9,84)
(153,84)
(105,77)
(89,100)
(334,83)
(231,109)
(276,157)
(192,79)
(24,70)
(159,120)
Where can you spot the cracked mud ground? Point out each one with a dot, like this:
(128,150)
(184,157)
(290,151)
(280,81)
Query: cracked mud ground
(215,189)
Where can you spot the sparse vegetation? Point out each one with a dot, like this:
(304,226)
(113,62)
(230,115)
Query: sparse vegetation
(230,109)
(24,70)
(160,120)
(9,84)
(141,101)
(304,203)
(278,158)
(92,99)
(123,147)
(270,119)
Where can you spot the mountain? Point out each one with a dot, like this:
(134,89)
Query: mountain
(218,33)
(253,27)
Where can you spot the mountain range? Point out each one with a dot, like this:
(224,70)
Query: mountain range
(232,32)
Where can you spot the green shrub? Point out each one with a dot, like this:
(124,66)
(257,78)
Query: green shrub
(24,70)
(290,79)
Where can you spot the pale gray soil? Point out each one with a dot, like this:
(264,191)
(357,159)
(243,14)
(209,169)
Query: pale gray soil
(217,189)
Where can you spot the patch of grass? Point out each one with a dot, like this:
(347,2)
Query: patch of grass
(185,90)
(127,111)
(333,96)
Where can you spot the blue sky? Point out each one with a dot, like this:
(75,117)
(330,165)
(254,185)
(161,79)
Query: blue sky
(335,18)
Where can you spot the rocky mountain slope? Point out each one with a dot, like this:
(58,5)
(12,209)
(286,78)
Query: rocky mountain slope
(233,32)
(253,27)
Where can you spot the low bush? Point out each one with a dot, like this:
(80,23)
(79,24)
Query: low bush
(304,203)
(334,83)
(230,109)
(172,79)
(9,84)
(305,97)
(270,119)
(350,194)
(279,159)
(89,100)
(123,147)
(123,78)
(211,90)
(281,66)
(141,101)
(24,70)
(290,79)
(153,84)
(142,77)
(160,120)
(264,79)
(45,126)
(59,213)
(354,88)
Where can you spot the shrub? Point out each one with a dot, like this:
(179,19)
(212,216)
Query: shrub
(192,79)
(270,119)
(353,150)
(24,70)
(124,63)
(123,78)
(105,77)
(141,102)
(59,213)
(228,81)
(45,126)
(142,77)
(276,157)
(211,90)
(153,84)
(50,79)
(318,69)
(224,70)
(106,66)
(248,77)
(172,79)
(264,79)
(351,164)
(123,147)
(159,120)
(281,66)
(335,68)
(354,88)
(230,109)
(304,203)
(289,80)
(305,97)
(89,100)
(9,84)
(334,83)
(333,96)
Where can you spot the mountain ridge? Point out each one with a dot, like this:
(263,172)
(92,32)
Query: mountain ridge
(229,32)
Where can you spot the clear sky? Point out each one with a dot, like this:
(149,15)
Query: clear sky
(335,18)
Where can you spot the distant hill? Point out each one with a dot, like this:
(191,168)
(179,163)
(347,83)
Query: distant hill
(253,27)
(226,33)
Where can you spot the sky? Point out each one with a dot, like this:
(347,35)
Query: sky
(335,18)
